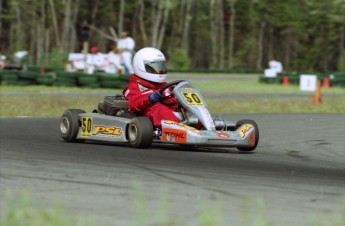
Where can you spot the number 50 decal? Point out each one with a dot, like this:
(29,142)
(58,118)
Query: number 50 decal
(193,99)
(86,126)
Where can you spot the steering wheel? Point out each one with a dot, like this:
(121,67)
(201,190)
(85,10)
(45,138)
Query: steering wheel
(169,85)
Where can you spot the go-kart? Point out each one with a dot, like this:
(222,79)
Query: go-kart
(112,121)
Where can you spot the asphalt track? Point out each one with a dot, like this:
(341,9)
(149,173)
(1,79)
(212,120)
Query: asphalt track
(296,174)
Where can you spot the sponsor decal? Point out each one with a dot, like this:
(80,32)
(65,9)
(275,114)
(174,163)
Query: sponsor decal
(107,131)
(192,99)
(221,134)
(174,135)
(184,126)
(187,88)
(244,130)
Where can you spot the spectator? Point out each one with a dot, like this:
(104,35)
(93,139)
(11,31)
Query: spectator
(94,60)
(2,61)
(69,67)
(275,67)
(115,61)
(125,46)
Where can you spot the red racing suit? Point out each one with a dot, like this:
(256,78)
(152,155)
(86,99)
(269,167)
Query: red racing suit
(137,93)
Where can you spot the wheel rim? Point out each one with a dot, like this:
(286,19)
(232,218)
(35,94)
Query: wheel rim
(64,125)
(132,132)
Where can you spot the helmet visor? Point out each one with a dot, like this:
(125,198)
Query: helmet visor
(155,67)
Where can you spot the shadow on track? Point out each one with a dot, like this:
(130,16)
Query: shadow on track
(171,147)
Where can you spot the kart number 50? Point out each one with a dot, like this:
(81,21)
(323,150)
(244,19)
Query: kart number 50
(86,126)
(193,99)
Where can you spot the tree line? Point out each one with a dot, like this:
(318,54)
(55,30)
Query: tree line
(224,34)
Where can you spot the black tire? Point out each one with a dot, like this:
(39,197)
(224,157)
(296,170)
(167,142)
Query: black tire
(10,75)
(69,124)
(28,75)
(87,80)
(140,132)
(45,80)
(25,82)
(9,78)
(108,77)
(124,78)
(113,84)
(256,128)
(68,82)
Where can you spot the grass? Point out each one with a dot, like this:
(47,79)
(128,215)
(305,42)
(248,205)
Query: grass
(46,101)
(213,86)
(277,105)
(253,86)
(45,105)
(19,211)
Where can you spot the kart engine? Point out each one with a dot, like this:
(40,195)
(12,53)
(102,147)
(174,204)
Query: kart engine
(111,105)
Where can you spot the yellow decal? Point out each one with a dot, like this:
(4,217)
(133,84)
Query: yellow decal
(107,130)
(184,126)
(193,99)
(244,129)
(86,126)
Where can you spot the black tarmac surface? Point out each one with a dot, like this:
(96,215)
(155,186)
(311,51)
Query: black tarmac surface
(296,174)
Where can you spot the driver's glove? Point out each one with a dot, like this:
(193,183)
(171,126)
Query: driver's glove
(155,97)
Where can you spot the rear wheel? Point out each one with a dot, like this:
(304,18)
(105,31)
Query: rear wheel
(256,133)
(69,124)
(140,132)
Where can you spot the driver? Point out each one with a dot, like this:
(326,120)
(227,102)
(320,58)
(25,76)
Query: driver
(149,76)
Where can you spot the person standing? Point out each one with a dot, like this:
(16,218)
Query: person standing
(94,60)
(276,65)
(125,46)
(114,61)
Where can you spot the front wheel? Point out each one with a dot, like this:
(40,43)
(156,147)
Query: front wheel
(140,132)
(255,139)
(69,124)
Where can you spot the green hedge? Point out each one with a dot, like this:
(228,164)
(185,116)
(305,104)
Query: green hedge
(61,78)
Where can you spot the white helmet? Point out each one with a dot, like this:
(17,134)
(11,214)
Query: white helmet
(150,64)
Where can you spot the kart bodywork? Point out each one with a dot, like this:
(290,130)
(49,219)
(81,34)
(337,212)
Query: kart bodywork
(113,122)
